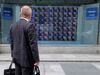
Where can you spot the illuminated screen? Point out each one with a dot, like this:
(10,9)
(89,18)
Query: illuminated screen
(55,23)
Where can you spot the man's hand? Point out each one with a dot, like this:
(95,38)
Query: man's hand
(36,64)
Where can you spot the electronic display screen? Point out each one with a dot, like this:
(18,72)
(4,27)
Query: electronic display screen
(55,23)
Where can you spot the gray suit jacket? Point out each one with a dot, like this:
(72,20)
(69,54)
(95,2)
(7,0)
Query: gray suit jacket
(24,49)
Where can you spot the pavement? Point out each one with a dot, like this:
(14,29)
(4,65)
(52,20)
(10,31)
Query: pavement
(62,64)
(63,68)
(61,57)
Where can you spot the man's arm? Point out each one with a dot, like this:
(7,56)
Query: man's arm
(11,42)
(33,42)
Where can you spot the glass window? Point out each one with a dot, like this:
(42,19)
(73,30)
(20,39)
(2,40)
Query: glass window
(55,24)
(8,16)
(0,23)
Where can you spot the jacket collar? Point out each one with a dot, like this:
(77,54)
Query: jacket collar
(24,19)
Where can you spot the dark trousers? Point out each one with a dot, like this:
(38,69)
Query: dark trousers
(23,70)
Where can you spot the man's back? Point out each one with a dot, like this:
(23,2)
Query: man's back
(21,48)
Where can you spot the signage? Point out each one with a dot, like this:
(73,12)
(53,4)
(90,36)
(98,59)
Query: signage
(7,13)
(92,13)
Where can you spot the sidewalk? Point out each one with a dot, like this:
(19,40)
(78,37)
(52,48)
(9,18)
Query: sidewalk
(62,64)
(64,68)
(61,57)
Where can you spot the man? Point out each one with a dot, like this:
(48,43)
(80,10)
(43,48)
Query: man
(24,49)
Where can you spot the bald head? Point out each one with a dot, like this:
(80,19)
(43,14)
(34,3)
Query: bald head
(26,12)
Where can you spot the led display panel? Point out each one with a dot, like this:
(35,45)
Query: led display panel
(55,23)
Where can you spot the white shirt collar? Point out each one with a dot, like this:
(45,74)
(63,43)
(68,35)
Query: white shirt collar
(25,19)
